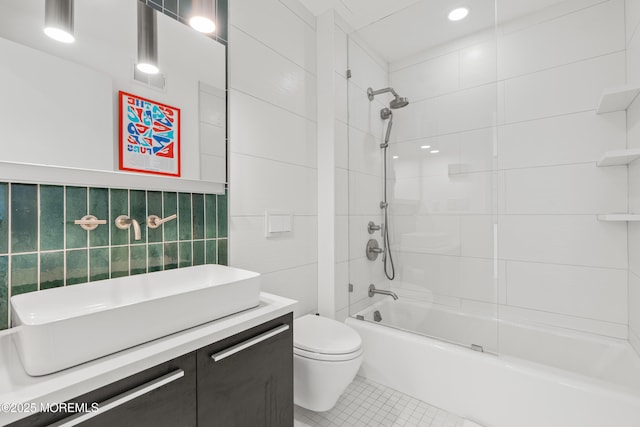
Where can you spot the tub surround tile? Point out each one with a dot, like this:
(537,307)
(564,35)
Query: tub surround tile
(52,222)
(24,218)
(51,270)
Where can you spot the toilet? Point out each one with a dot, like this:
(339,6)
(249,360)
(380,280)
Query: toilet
(326,357)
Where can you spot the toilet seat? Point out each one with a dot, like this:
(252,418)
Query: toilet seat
(320,338)
(327,357)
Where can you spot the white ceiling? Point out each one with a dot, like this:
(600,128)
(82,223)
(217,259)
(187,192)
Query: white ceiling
(400,28)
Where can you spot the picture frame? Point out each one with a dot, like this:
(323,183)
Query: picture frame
(149,140)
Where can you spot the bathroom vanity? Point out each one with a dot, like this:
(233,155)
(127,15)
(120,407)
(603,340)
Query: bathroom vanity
(235,371)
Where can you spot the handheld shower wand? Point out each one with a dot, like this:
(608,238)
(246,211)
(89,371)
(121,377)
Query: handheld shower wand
(387,114)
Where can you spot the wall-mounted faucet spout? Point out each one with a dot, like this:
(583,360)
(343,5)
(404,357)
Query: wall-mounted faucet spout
(123,222)
(373,291)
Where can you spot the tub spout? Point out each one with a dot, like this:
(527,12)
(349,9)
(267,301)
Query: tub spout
(373,291)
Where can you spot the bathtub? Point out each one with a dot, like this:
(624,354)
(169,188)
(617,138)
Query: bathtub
(540,377)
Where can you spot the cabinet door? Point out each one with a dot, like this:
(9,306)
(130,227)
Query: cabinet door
(162,396)
(247,380)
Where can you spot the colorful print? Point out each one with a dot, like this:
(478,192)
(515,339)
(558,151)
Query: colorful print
(149,136)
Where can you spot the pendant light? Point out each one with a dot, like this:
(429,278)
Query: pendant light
(147,40)
(58,20)
(202,16)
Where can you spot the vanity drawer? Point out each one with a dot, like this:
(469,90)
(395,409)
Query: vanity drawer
(247,380)
(157,397)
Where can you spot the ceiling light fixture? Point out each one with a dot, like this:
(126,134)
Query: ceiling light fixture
(202,16)
(58,20)
(424,147)
(458,14)
(147,40)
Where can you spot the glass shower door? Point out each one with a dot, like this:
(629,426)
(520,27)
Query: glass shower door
(442,177)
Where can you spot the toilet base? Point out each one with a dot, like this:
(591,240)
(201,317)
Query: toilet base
(318,384)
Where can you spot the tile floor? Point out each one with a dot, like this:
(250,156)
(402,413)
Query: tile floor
(368,404)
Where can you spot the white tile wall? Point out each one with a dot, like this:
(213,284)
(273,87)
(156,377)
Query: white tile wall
(278,28)
(562,90)
(563,239)
(633,139)
(274,133)
(513,116)
(262,184)
(272,145)
(553,288)
(570,189)
(560,140)
(258,70)
(585,34)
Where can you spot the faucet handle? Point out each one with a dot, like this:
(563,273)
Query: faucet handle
(89,222)
(154,221)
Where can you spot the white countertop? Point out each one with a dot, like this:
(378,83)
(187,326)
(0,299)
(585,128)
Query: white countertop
(18,387)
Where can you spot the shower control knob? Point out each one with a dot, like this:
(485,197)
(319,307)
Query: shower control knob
(372,227)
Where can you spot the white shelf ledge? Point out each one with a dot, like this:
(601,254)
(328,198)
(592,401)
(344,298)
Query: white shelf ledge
(619,217)
(617,99)
(44,174)
(619,157)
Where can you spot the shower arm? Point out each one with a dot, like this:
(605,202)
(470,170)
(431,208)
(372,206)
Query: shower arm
(372,93)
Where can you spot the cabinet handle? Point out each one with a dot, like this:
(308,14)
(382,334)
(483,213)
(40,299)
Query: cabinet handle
(244,345)
(121,399)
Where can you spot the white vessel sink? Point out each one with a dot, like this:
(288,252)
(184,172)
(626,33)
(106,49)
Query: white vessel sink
(63,327)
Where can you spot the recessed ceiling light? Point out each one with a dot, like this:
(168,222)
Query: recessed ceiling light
(424,147)
(458,14)
(436,151)
(395,157)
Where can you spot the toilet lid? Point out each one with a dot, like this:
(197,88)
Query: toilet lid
(327,336)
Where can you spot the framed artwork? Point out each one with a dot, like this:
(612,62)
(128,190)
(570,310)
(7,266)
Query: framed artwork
(149,136)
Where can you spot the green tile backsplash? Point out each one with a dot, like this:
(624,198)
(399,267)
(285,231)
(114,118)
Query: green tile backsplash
(41,247)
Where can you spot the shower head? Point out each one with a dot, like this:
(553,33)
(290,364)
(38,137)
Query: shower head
(398,102)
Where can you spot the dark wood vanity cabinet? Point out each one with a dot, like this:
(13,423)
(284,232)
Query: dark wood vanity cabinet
(243,380)
(162,396)
(247,380)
